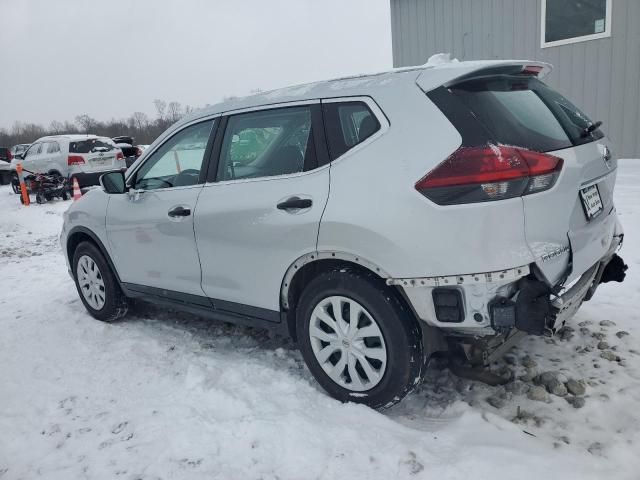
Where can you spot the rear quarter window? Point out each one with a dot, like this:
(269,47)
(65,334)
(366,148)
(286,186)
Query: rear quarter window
(347,124)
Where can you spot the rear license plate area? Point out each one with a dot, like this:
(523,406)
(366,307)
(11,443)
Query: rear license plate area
(591,201)
(101,162)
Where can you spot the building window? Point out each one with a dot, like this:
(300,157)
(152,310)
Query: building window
(571,21)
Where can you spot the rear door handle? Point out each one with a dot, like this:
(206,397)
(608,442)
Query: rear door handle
(295,203)
(179,211)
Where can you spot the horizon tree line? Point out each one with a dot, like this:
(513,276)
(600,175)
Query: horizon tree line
(138,125)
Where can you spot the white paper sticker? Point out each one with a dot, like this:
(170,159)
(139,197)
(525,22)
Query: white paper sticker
(599,25)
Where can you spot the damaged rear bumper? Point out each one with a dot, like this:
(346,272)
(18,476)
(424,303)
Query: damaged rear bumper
(493,303)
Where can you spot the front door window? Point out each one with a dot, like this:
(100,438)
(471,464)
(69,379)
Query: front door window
(177,163)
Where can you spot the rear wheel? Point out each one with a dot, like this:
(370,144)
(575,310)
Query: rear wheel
(15,184)
(97,285)
(358,340)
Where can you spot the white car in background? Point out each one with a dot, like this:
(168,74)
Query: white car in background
(84,157)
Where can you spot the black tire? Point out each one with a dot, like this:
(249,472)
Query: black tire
(40,198)
(65,195)
(116,304)
(15,184)
(401,333)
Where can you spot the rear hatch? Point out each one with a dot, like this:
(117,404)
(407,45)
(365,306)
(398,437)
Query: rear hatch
(95,155)
(569,226)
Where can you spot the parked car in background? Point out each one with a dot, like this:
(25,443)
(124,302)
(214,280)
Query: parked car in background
(378,220)
(130,151)
(7,170)
(5,165)
(5,155)
(19,149)
(84,157)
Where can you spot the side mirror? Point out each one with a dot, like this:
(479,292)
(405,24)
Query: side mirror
(113,182)
(19,156)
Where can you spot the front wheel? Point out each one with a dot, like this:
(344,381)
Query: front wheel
(359,341)
(97,285)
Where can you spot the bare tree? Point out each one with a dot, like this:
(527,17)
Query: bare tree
(174,111)
(86,123)
(161,107)
(140,120)
(56,127)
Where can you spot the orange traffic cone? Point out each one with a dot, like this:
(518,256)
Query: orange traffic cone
(76,190)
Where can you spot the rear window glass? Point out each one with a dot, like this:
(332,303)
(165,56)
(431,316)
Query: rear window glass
(91,145)
(526,113)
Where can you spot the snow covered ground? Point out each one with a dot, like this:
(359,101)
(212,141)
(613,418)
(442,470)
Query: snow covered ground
(167,395)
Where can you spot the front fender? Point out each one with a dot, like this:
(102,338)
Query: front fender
(87,216)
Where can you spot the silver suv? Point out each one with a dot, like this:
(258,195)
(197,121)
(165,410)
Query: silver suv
(377,220)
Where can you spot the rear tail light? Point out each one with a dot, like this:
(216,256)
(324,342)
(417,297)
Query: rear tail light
(9,156)
(75,160)
(483,174)
(138,152)
(119,155)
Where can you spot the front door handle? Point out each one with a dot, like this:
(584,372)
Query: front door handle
(295,203)
(179,211)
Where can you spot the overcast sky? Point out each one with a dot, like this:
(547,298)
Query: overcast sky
(109,58)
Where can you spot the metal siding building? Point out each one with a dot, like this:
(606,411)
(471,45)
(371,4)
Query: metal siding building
(600,76)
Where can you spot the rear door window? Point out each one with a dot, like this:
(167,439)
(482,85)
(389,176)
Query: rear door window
(268,143)
(347,124)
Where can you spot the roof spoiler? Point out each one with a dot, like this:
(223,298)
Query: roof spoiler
(453,73)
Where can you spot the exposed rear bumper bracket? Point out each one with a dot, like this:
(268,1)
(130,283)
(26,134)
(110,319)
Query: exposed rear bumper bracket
(511,274)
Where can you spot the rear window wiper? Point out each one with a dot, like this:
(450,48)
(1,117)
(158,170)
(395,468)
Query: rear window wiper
(591,128)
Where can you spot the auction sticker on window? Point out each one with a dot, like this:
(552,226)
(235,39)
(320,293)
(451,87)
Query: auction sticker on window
(591,201)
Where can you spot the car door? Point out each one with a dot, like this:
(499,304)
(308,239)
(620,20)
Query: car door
(44,157)
(260,209)
(52,162)
(150,228)
(31,158)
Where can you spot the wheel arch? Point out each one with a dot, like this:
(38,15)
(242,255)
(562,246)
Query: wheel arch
(308,266)
(80,234)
